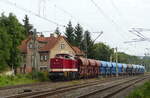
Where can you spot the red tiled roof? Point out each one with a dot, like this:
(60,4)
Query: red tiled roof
(23,46)
(77,50)
(50,43)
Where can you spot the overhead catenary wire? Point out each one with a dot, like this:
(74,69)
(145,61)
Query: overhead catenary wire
(33,13)
(115,7)
(71,16)
(137,32)
(117,10)
(108,18)
(111,20)
(64,11)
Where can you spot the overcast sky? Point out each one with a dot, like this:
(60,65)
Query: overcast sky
(113,17)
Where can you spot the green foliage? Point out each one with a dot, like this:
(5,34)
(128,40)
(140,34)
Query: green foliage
(16,80)
(129,59)
(101,52)
(88,44)
(141,92)
(123,57)
(57,31)
(4,49)
(40,76)
(70,33)
(11,35)
(78,32)
(27,26)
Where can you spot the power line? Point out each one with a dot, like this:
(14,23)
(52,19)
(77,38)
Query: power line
(106,16)
(98,36)
(117,10)
(136,31)
(71,16)
(115,7)
(33,13)
(64,11)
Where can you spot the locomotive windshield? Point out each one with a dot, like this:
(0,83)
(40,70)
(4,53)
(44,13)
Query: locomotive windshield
(67,56)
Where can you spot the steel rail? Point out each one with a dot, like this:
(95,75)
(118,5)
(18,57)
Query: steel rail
(121,86)
(60,89)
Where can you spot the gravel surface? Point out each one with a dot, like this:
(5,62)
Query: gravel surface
(53,85)
(41,87)
(127,91)
(81,91)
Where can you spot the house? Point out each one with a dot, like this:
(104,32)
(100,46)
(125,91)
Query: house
(45,48)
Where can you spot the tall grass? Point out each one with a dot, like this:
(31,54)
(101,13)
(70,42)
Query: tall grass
(141,92)
(23,79)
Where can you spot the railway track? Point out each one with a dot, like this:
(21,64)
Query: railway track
(112,90)
(60,89)
(44,94)
(21,89)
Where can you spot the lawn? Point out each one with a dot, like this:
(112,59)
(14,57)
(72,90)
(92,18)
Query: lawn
(141,92)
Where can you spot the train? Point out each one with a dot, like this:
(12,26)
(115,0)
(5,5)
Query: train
(68,67)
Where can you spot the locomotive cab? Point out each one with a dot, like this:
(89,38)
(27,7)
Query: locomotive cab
(63,66)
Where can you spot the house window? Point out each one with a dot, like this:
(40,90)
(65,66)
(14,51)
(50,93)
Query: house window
(45,58)
(30,45)
(41,58)
(44,68)
(24,57)
(62,46)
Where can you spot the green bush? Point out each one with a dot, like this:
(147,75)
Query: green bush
(42,76)
(17,79)
(141,92)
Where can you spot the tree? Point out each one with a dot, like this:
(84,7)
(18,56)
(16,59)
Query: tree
(87,44)
(78,35)
(27,26)
(102,52)
(57,31)
(4,49)
(14,34)
(70,33)
(128,59)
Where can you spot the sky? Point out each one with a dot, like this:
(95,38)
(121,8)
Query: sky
(114,17)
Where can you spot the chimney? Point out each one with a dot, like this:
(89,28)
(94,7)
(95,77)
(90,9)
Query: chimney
(41,35)
(51,35)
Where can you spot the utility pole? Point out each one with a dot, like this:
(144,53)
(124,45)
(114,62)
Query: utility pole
(87,46)
(85,42)
(111,58)
(116,62)
(14,53)
(35,67)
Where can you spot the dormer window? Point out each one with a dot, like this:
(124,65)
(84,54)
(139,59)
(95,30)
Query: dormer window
(62,46)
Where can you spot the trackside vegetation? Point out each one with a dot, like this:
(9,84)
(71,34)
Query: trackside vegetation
(19,79)
(16,80)
(141,92)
